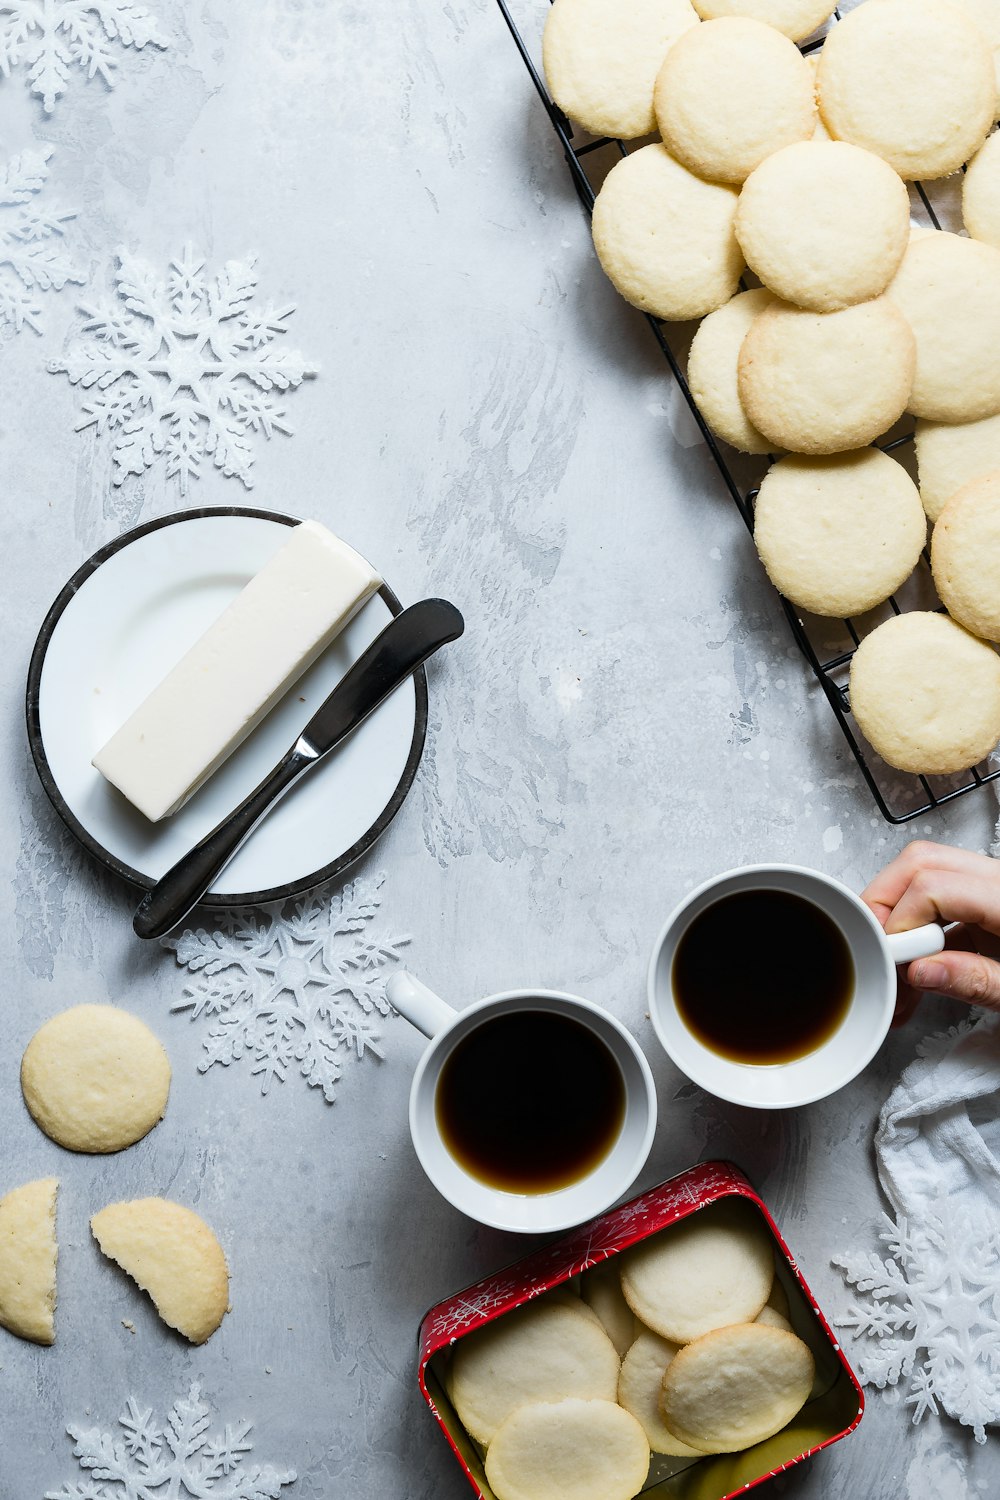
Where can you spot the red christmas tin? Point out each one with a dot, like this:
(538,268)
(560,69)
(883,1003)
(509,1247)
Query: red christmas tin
(833,1410)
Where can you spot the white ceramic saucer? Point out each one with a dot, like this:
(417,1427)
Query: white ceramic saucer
(120,624)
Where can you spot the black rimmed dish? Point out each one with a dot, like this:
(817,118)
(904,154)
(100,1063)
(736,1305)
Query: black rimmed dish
(120,623)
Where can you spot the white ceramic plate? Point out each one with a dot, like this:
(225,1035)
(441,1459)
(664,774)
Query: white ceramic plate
(120,624)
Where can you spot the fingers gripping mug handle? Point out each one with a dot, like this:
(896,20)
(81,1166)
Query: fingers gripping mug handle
(919,942)
(417,1004)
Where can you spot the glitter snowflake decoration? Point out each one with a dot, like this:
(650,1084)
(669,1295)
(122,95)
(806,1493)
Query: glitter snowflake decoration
(932,1317)
(33,258)
(185,367)
(178,1458)
(52,36)
(304,988)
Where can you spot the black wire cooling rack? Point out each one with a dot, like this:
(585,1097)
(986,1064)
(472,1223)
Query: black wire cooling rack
(827,645)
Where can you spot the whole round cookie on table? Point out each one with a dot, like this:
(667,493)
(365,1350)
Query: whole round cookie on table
(824,224)
(948,290)
(795,19)
(949,454)
(826,382)
(839,534)
(713,361)
(95,1079)
(926,694)
(965,556)
(664,236)
(913,81)
(731,92)
(601,59)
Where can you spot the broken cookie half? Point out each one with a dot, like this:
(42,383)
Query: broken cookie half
(28,1254)
(173,1255)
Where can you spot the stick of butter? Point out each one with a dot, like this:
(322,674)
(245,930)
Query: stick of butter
(239,669)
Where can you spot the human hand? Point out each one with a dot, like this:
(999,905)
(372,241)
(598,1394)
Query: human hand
(937,883)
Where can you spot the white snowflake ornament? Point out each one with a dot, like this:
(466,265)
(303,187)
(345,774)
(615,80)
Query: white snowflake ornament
(185,366)
(50,37)
(299,987)
(931,1315)
(33,258)
(179,1458)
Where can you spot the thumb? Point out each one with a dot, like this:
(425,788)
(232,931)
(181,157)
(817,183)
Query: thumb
(966,976)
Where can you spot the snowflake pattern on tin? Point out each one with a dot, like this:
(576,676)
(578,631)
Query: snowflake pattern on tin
(50,37)
(930,1315)
(179,1457)
(186,366)
(301,985)
(33,258)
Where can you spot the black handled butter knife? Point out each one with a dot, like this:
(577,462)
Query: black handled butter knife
(405,643)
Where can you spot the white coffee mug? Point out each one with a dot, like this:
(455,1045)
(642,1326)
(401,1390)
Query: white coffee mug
(852,1046)
(533,1213)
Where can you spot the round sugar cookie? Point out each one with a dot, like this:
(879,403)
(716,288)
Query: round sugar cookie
(601,59)
(28,1254)
(911,80)
(948,290)
(665,238)
(568,1450)
(736,1386)
(926,694)
(965,556)
(981,192)
(826,382)
(729,93)
(714,1268)
(949,454)
(838,535)
(601,1289)
(793,18)
(95,1078)
(172,1254)
(824,224)
(639,1386)
(771,1318)
(711,371)
(541,1351)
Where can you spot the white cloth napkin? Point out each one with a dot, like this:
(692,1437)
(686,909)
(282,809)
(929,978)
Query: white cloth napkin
(931,1312)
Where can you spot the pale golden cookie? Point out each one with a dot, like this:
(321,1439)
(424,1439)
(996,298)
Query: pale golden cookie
(711,371)
(601,59)
(601,1289)
(926,694)
(793,18)
(568,1450)
(665,238)
(911,80)
(736,1386)
(95,1078)
(965,556)
(981,193)
(731,92)
(639,1387)
(824,224)
(949,454)
(541,1351)
(172,1254)
(826,382)
(948,290)
(28,1254)
(714,1268)
(839,535)
(771,1318)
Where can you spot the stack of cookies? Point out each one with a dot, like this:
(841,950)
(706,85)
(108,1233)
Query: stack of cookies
(680,1346)
(795,170)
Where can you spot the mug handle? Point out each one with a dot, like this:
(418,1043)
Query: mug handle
(417,1004)
(919,942)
